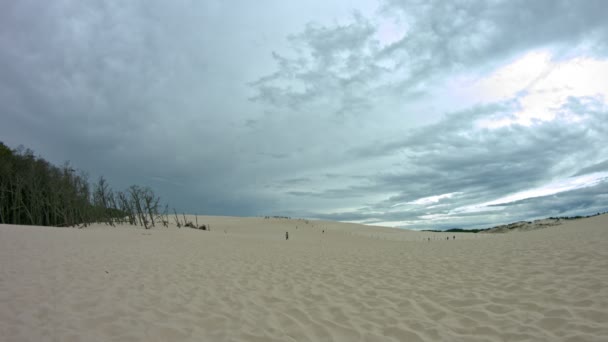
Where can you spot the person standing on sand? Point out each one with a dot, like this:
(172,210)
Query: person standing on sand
(286,235)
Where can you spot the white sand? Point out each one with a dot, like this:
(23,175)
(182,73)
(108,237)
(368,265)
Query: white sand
(243,282)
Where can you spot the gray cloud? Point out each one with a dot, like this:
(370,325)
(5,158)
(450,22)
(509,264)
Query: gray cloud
(603,166)
(480,166)
(343,124)
(332,69)
(585,201)
(126,90)
(342,66)
(464,32)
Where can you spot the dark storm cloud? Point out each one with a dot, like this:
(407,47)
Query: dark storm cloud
(603,166)
(350,192)
(132,91)
(585,201)
(160,93)
(435,136)
(452,157)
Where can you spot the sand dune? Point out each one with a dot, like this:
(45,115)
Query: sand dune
(243,282)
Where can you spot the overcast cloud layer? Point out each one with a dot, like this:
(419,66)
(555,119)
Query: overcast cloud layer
(415,114)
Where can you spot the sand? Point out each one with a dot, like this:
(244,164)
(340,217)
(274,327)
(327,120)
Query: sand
(242,281)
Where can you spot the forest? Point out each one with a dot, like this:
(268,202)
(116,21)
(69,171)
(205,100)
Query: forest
(36,192)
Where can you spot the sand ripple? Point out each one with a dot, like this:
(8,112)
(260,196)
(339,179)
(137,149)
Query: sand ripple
(243,282)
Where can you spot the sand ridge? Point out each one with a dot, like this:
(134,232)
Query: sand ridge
(243,282)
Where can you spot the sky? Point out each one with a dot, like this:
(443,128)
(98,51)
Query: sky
(413,114)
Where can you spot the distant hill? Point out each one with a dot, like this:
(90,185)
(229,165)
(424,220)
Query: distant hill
(518,226)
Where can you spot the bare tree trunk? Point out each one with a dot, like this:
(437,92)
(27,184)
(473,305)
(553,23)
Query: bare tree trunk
(127,207)
(151,204)
(177,219)
(136,197)
(166,216)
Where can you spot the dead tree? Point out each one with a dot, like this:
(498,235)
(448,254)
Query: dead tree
(137,201)
(127,207)
(150,204)
(165,216)
(179,225)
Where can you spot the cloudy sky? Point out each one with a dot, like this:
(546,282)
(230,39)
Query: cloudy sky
(415,114)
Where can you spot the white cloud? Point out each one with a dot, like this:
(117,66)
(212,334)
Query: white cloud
(430,199)
(542,85)
(552,188)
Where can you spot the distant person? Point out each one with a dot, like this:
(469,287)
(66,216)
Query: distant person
(454,237)
(286,235)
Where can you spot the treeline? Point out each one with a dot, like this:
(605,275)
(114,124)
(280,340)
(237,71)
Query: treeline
(35,192)
(456,230)
(577,217)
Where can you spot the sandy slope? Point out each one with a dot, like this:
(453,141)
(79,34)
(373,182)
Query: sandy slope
(243,282)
